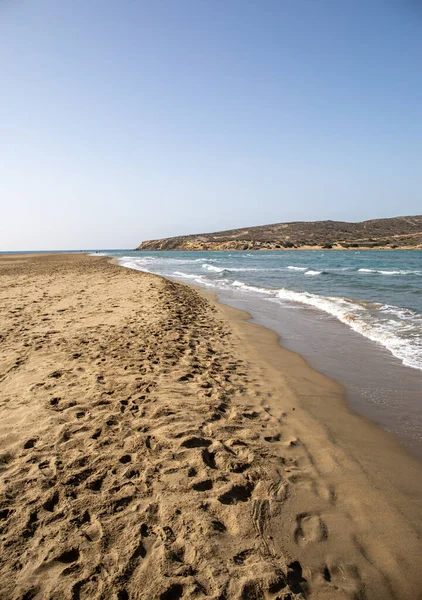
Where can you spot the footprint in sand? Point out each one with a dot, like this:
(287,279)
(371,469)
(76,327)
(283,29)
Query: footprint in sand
(30,443)
(237,493)
(68,556)
(310,528)
(203,486)
(94,531)
(50,504)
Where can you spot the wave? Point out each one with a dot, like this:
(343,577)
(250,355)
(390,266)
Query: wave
(302,270)
(138,260)
(133,264)
(185,275)
(97,254)
(398,329)
(235,269)
(252,288)
(367,319)
(197,278)
(213,268)
(385,272)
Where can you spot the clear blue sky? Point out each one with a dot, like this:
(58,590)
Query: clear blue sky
(127,120)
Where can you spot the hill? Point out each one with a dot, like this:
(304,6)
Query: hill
(397,232)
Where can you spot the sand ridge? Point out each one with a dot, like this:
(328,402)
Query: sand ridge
(146,452)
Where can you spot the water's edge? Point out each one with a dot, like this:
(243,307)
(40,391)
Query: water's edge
(377,385)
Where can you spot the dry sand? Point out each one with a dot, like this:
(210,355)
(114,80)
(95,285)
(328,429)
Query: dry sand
(156,445)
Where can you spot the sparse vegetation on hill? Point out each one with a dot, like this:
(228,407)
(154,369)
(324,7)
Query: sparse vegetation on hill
(397,232)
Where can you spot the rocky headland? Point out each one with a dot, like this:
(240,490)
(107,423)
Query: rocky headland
(393,233)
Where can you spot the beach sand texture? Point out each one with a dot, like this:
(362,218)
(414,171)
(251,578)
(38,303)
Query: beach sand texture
(154,445)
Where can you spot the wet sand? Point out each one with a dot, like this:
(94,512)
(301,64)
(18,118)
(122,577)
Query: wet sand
(377,385)
(154,444)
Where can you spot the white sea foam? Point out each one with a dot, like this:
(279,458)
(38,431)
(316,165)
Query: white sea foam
(387,272)
(133,264)
(97,254)
(185,275)
(397,329)
(252,288)
(138,260)
(213,268)
(235,269)
(404,314)
(366,319)
(206,260)
(196,278)
(401,335)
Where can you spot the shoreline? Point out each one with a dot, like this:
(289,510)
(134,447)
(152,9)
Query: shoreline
(275,341)
(273,352)
(379,385)
(200,248)
(246,318)
(175,448)
(357,435)
(367,372)
(299,375)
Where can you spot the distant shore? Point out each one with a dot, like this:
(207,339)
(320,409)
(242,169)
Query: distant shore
(174,448)
(239,247)
(375,234)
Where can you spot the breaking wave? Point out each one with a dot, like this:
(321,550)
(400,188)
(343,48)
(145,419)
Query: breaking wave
(397,328)
(385,272)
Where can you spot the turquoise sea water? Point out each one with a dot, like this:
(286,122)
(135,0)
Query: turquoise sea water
(378,294)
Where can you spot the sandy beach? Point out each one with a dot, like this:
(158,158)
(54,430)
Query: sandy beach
(156,445)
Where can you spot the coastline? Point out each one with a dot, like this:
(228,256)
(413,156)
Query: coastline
(364,443)
(224,247)
(404,231)
(339,419)
(310,499)
(376,384)
(341,313)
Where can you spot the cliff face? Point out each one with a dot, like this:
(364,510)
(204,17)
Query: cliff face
(398,232)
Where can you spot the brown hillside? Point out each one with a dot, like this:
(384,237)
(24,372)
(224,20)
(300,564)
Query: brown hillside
(397,232)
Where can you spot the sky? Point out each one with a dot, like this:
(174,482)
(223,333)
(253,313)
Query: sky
(128,120)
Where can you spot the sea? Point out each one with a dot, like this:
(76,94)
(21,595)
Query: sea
(354,315)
